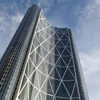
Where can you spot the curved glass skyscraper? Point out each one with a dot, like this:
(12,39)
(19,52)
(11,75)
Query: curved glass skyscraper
(41,63)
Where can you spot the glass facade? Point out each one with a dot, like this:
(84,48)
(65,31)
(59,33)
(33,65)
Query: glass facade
(51,70)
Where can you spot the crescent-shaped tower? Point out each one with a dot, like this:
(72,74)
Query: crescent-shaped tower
(41,63)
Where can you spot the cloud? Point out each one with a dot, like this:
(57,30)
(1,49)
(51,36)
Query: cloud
(88,42)
(8,26)
(91,62)
(46,5)
(63,1)
(88,27)
(91,68)
(17,18)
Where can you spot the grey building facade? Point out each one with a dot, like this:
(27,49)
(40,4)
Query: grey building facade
(41,63)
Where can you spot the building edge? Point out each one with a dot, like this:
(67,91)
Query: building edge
(25,60)
(5,94)
(79,72)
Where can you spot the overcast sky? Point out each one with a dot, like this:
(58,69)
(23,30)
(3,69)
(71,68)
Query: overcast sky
(82,16)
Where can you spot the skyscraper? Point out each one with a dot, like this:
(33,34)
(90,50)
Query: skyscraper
(41,63)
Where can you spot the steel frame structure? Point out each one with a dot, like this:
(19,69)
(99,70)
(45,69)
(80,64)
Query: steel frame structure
(41,63)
